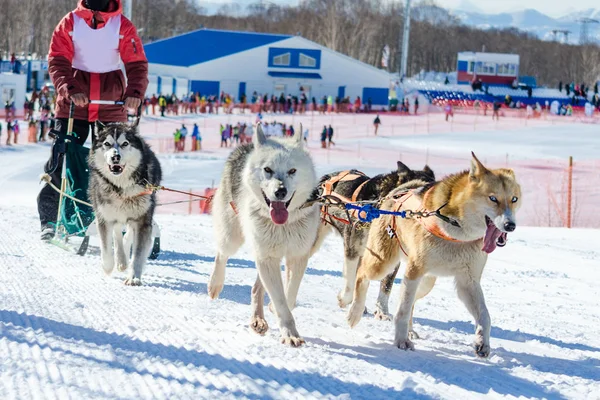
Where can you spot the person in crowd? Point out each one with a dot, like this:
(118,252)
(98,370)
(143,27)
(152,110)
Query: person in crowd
(196,138)
(448,111)
(43,123)
(330,136)
(496,110)
(153,103)
(16,130)
(376,123)
(9,131)
(177,139)
(236,134)
(184,132)
(162,104)
(324,137)
(357,104)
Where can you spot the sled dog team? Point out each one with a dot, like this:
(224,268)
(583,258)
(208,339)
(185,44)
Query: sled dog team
(269,196)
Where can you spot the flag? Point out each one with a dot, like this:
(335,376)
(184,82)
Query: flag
(385,56)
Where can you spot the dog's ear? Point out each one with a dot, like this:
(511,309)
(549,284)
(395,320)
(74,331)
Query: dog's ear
(259,138)
(429,171)
(402,168)
(298,135)
(99,126)
(134,129)
(477,168)
(507,172)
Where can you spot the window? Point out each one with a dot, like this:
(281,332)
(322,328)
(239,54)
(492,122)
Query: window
(485,68)
(282,60)
(507,69)
(306,61)
(471,67)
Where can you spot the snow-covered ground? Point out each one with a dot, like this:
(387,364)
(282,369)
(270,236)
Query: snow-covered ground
(67,331)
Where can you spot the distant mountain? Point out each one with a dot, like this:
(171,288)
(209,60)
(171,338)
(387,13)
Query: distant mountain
(534,22)
(574,16)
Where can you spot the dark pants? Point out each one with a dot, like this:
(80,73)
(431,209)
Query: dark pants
(42,129)
(48,198)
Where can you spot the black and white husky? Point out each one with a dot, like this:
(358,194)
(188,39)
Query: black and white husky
(260,200)
(121,166)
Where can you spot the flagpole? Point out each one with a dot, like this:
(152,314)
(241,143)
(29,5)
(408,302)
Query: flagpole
(405,40)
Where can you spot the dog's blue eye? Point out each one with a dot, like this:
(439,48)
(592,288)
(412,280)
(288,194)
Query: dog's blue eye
(515,199)
(494,199)
(268,170)
(125,144)
(107,144)
(292,171)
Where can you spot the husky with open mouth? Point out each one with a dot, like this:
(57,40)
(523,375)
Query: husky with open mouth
(121,165)
(478,209)
(261,199)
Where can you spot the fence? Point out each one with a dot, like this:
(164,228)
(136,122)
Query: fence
(554,194)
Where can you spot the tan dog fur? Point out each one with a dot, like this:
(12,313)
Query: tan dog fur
(468,198)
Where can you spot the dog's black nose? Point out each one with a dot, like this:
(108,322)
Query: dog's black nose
(116,158)
(510,226)
(281,193)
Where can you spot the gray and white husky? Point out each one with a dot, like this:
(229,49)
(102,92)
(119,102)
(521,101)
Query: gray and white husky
(121,165)
(260,199)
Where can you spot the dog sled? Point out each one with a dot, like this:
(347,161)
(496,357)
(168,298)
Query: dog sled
(75,222)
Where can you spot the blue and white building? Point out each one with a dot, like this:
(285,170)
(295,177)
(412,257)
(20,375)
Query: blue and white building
(214,61)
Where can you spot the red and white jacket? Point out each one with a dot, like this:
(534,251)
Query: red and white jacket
(86,52)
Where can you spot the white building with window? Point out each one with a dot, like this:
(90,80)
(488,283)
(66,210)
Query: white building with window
(492,68)
(213,61)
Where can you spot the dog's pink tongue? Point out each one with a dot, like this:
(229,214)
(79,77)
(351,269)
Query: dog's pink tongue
(279,213)
(491,237)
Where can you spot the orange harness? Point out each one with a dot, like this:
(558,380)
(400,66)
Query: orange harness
(408,201)
(328,190)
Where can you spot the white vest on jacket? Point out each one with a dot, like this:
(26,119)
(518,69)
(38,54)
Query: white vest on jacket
(96,50)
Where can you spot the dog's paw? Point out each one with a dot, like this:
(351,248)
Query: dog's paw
(292,341)
(382,316)
(482,350)
(214,290)
(412,335)
(133,282)
(404,344)
(354,315)
(259,325)
(344,298)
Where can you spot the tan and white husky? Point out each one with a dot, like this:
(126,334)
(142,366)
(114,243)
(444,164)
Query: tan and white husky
(479,207)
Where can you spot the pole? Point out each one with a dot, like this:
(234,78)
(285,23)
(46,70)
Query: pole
(570,194)
(405,40)
(127,9)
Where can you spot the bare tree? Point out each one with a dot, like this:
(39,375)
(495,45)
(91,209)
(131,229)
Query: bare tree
(358,28)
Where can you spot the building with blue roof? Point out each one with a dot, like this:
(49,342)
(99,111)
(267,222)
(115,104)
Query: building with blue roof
(209,61)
